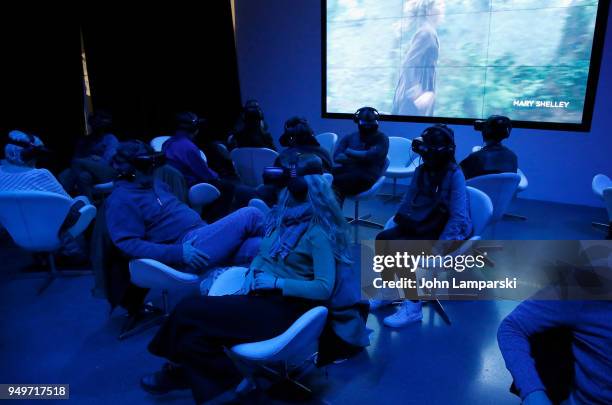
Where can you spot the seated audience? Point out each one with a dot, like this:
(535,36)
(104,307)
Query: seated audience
(146,221)
(434,207)
(589,324)
(297,139)
(183,154)
(493,157)
(251,130)
(360,157)
(92,159)
(295,271)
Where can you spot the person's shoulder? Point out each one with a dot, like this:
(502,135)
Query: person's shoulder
(317,235)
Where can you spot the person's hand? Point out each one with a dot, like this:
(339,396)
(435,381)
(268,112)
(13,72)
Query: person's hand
(537,398)
(265,281)
(194,257)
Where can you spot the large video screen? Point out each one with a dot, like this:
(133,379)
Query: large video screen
(535,61)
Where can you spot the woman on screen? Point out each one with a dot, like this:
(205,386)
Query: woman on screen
(415,93)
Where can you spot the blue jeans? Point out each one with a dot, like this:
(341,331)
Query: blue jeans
(232,240)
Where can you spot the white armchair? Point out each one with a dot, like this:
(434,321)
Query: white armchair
(34,218)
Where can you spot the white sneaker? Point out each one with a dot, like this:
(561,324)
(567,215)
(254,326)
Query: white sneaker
(407,312)
(375,304)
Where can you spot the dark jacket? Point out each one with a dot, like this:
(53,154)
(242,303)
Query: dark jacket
(422,196)
(185,156)
(149,222)
(377,146)
(491,159)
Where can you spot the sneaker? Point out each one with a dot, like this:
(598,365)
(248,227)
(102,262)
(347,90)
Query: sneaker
(169,378)
(407,312)
(375,304)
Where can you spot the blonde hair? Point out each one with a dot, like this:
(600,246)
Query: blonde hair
(326,213)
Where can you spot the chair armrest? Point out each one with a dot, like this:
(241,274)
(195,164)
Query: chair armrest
(87,214)
(203,194)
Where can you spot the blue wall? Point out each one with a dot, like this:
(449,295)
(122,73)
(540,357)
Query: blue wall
(279,60)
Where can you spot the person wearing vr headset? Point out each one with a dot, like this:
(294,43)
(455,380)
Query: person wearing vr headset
(298,138)
(493,157)
(183,154)
(18,172)
(92,159)
(360,157)
(251,131)
(145,220)
(295,270)
(435,207)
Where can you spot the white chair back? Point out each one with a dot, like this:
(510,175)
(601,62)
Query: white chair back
(149,273)
(157,142)
(600,183)
(481,210)
(500,188)
(400,152)
(301,335)
(328,141)
(203,194)
(250,162)
(33,218)
(228,282)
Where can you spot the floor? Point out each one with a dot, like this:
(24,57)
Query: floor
(66,336)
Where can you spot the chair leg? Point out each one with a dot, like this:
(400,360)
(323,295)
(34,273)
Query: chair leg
(131,327)
(53,274)
(441,311)
(363,220)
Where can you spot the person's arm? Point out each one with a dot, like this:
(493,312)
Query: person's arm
(127,231)
(405,204)
(198,166)
(324,266)
(376,152)
(529,318)
(459,221)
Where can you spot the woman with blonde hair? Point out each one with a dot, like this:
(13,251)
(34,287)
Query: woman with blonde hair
(415,94)
(306,241)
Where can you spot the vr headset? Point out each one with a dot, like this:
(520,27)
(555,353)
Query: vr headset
(29,149)
(367,123)
(252,111)
(496,127)
(436,154)
(188,121)
(297,131)
(293,177)
(127,165)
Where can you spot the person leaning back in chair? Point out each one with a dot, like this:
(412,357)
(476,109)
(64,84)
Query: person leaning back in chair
(493,157)
(306,244)
(146,221)
(361,156)
(435,207)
